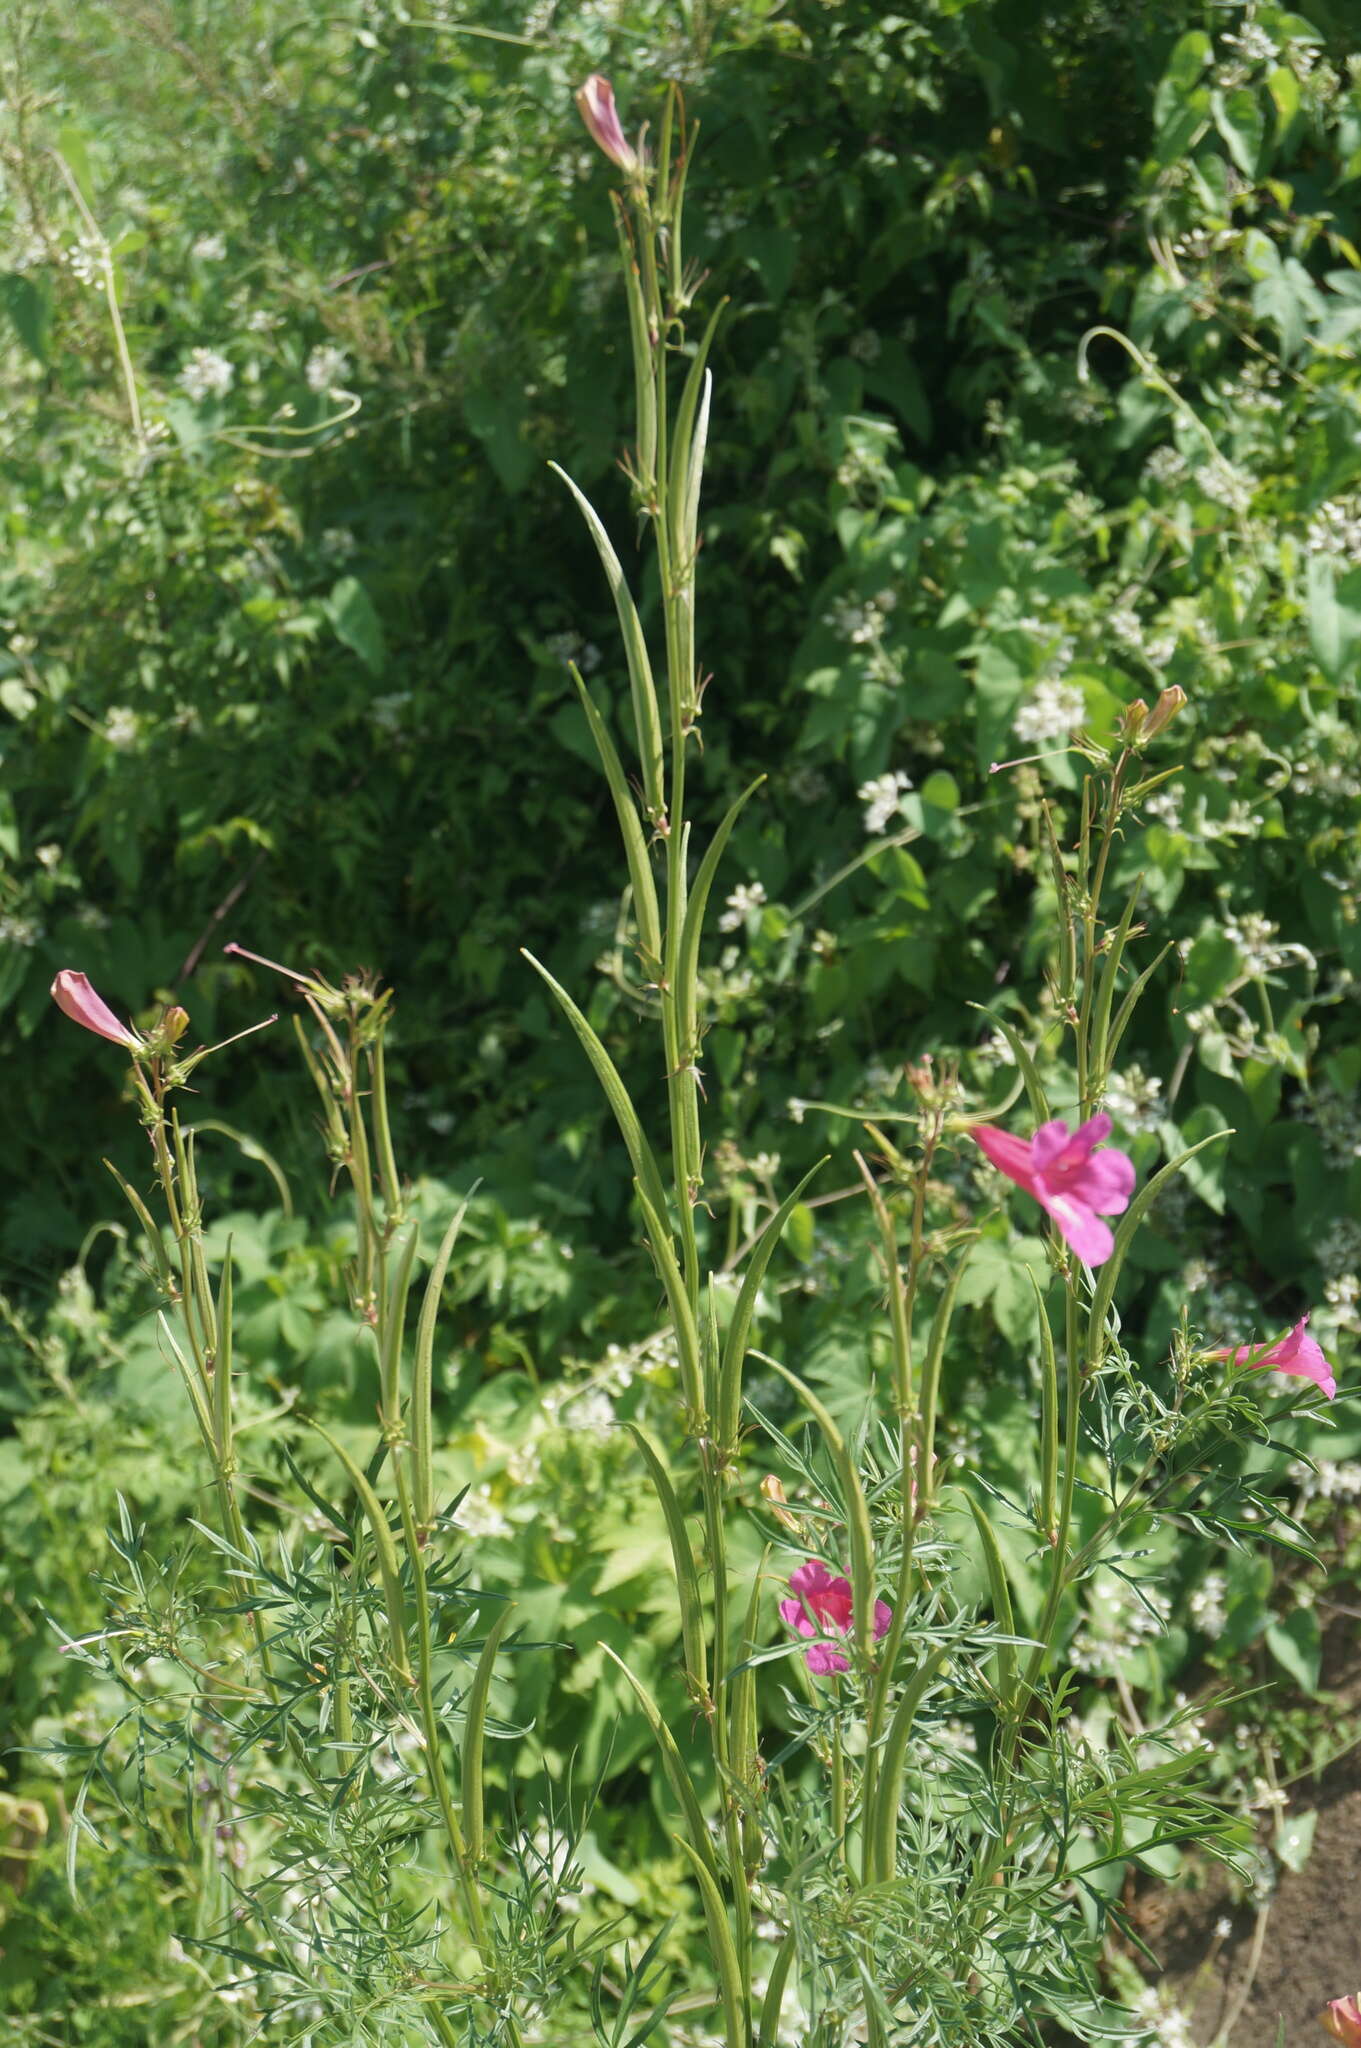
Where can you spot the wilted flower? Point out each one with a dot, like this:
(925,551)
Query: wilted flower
(74,997)
(1069,1179)
(823,1607)
(1341,2018)
(1298,1354)
(595,103)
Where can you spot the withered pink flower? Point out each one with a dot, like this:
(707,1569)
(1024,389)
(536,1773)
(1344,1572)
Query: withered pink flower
(1298,1354)
(823,1608)
(595,102)
(1341,2018)
(74,997)
(1068,1177)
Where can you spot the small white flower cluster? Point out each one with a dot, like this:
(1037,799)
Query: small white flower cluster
(206,375)
(1134,1099)
(478,1515)
(1335,530)
(338,543)
(945,1742)
(1337,1119)
(1343,1296)
(1339,1248)
(1165,806)
(386,711)
(1253,935)
(727,983)
(325,366)
(1331,1479)
(1206,1605)
(1166,466)
(1254,45)
(861,624)
(806,785)
(864,347)
(1167,2026)
(1225,484)
(744,901)
(1117,1623)
(882,797)
(120,726)
(86,259)
(1053,711)
(1255,388)
(19,931)
(209,248)
(567,648)
(591,1411)
(261,321)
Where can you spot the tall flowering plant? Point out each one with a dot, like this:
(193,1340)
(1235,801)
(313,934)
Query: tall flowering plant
(902,1839)
(886,1646)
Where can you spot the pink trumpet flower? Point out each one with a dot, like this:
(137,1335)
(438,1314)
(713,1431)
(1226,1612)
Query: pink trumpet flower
(1068,1177)
(595,103)
(822,1607)
(74,997)
(1300,1355)
(1341,2018)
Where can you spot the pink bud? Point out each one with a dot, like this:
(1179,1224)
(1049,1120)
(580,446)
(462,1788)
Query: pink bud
(595,102)
(1341,2018)
(73,995)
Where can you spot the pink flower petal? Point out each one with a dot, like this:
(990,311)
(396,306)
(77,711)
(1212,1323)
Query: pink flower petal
(1105,1182)
(824,1603)
(76,999)
(792,1611)
(1009,1155)
(1079,1226)
(1094,1132)
(1051,1144)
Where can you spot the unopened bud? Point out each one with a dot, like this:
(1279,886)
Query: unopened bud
(1164,711)
(775,1494)
(174,1024)
(1132,724)
(595,103)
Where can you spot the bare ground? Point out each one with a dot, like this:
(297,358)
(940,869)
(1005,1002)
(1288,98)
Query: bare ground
(1281,1965)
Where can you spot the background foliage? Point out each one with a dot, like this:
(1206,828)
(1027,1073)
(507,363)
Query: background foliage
(290,666)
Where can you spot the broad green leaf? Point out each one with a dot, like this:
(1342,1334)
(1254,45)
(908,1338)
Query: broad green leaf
(350,610)
(1297,1646)
(1334,614)
(28,302)
(1241,121)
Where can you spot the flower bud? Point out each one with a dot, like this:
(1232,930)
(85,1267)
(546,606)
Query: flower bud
(1132,724)
(174,1024)
(1164,711)
(74,997)
(595,103)
(1341,2018)
(775,1494)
